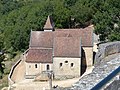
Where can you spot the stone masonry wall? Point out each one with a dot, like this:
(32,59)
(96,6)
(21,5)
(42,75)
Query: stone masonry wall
(64,68)
(107,49)
(107,60)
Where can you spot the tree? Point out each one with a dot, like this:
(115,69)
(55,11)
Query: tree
(106,16)
(2,56)
(18,17)
(69,3)
(82,13)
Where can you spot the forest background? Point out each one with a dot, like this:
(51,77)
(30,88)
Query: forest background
(19,17)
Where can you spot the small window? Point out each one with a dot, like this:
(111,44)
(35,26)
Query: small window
(48,67)
(60,64)
(35,65)
(72,64)
(66,62)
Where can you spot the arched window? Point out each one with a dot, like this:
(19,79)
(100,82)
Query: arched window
(35,65)
(60,64)
(72,64)
(48,67)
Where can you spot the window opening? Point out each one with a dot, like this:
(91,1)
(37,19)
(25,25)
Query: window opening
(48,67)
(72,64)
(66,62)
(35,65)
(60,64)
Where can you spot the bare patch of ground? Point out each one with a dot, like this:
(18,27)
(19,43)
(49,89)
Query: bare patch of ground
(32,85)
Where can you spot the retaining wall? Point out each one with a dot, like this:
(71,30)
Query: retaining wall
(106,61)
(107,49)
(10,81)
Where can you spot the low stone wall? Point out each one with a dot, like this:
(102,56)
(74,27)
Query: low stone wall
(98,74)
(10,81)
(106,61)
(107,49)
(64,77)
(11,72)
(115,85)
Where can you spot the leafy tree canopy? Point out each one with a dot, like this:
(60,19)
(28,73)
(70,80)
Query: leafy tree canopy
(18,17)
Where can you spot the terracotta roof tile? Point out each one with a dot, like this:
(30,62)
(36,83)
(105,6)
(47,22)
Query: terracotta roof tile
(65,42)
(39,56)
(86,34)
(41,39)
(67,47)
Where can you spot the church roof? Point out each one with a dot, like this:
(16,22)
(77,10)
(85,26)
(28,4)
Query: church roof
(86,34)
(67,47)
(49,24)
(39,56)
(61,42)
(41,39)
(45,39)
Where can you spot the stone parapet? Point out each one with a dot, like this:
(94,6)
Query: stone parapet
(107,60)
(64,77)
(107,49)
(11,72)
(98,74)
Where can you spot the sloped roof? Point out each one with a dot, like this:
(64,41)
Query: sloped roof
(45,39)
(86,34)
(41,39)
(67,47)
(49,24)
(61,42)
(39,56)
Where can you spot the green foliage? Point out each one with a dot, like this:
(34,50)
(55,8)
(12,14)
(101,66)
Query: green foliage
(2,56)
(18,17)
(106,16)
(82,12)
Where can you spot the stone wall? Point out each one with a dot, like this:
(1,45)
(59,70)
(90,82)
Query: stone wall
(98,74)
(88,55)
(107,60)
(64,68)
(10,76)
(32,69)
(107,49)
(115,85)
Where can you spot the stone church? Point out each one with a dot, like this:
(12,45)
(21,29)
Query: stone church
(65,52)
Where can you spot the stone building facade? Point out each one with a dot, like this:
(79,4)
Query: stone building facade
(65,52)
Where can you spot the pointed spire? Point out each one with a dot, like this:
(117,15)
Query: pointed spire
(49,25)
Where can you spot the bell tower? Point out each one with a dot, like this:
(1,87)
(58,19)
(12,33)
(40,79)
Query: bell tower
(49,25)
